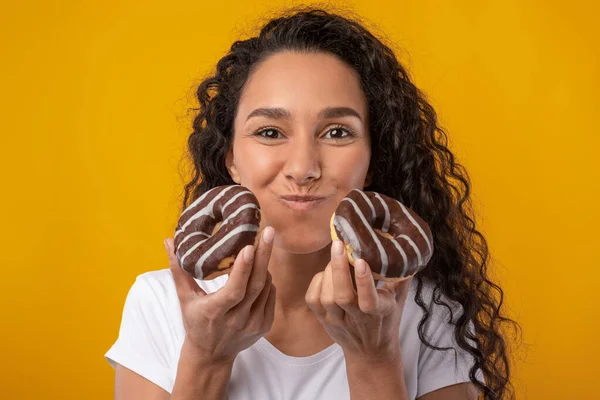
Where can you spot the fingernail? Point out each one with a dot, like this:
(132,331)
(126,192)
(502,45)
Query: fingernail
(248,253)
(337,248)
(166,246)
(360,267)
(268,234)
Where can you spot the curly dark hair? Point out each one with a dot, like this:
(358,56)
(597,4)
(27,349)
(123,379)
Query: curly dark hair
(404,127)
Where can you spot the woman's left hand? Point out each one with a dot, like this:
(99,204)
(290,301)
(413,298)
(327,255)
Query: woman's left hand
(365,322)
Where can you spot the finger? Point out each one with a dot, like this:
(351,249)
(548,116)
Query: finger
(259,304)
(328,295)
(185,284)
(313,295)
(344,294)
(368,298)
(256,312)
(260,266)
(234,290)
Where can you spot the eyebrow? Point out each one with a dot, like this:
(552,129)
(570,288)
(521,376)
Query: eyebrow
(282,113)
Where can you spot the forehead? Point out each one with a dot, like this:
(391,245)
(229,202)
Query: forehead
(301,82)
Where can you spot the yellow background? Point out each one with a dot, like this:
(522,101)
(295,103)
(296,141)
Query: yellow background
(93,127)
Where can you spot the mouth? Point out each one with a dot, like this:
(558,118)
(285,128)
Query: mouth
(302,203)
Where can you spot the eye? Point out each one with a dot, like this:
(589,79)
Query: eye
(340,128)
(267,130)
(271,133)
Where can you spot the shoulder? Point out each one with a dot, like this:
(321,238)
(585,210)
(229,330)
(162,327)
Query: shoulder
(152,306)
(155,291)
(432,317)
(442,362)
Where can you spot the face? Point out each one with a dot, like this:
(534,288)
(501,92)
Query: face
(301,129)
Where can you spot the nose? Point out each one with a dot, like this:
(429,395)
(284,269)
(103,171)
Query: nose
(303,163)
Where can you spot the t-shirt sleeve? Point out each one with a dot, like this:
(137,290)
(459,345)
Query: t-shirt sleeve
(141,345)
(441,368)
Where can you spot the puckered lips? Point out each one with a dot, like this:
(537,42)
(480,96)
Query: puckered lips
(302,202)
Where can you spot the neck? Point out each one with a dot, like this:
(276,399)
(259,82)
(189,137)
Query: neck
(292,275)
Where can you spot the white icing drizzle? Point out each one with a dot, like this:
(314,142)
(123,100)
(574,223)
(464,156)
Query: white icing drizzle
(208,209)
(414,246)
(192,235)
(384,258)
(244,207)
(402,253)
(191,250)
(369,203)
(410,217)
(233,199)
(386,221)
(207,253)
(236,212)
(198,200)
(348,235)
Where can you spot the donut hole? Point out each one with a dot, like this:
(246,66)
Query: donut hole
(384,234)
(216,228)
(226,263)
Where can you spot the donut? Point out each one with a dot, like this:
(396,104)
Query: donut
(214,228)
(390,237)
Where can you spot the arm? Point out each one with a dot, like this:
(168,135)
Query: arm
(376,381)
(194,380)
(460,391)
(386,381)
(131,386)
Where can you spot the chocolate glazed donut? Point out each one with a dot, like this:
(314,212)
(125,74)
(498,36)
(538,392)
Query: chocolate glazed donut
(214,228)
(390,237)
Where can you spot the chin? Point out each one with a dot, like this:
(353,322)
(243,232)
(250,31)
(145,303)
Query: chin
(303,244)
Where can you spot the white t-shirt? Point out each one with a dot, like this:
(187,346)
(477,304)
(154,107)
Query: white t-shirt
(152,333)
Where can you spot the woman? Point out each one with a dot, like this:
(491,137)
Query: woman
(317,106)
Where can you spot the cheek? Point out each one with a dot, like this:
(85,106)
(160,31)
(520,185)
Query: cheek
(351,167)
(256,165)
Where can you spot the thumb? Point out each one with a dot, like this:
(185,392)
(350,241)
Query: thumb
(186,285)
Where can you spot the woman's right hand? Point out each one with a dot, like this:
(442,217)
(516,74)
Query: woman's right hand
(220,325)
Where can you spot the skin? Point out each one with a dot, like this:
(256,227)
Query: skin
(300,155)
(314,292)
(306,153)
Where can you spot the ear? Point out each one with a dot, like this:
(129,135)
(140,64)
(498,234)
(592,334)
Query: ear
(231,168)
